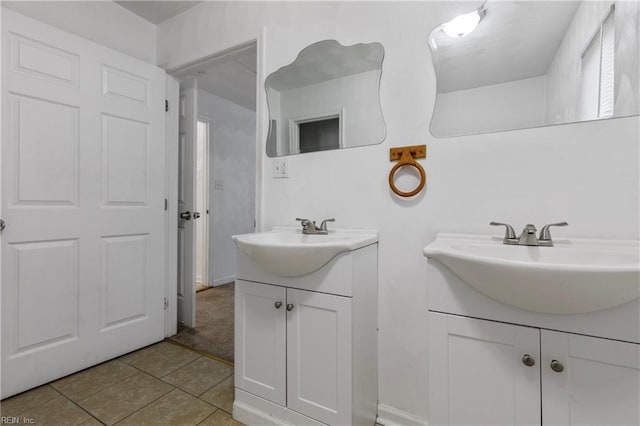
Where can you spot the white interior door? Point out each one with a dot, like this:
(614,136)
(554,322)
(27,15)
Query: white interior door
(83,157)
(186,203)
(597,381)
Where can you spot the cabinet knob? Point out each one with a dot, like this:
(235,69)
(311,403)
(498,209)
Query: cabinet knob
(557,366)
(277,304)
(528,360)
(289,307)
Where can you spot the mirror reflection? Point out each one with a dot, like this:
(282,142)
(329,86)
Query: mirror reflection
(328,98)
(514,65)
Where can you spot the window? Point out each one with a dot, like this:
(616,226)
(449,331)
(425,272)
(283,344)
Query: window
(597,73)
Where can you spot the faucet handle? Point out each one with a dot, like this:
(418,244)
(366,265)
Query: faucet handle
(323,224)
(545,235)
(509,233)
(305,222)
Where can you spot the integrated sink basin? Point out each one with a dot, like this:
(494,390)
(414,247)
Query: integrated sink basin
(575,276)
(289,253)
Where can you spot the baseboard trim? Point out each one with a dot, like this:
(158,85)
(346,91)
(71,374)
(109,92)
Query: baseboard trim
(223,280)
(392,416)
(253,410)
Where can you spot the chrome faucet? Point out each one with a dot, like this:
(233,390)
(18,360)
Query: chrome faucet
(528,235)
(309,226)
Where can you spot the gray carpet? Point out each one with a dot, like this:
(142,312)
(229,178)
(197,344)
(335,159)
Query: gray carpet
(214,323)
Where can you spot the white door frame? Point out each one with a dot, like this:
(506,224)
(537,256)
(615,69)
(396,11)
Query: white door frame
(171,206)
(262,127)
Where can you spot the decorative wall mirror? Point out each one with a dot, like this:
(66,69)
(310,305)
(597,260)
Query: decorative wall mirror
(515,65)
(328,98)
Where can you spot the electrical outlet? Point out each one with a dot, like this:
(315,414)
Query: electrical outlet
(281,168)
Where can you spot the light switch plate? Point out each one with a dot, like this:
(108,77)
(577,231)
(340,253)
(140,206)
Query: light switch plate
(281,168)
(218,184)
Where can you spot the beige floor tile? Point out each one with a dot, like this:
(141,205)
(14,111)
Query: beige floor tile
(160,359)
(199,376)
(91,422)
(221,395)
(87,382)
(220,418)
(58,411)
(27,400)
(123,399)
(176,408)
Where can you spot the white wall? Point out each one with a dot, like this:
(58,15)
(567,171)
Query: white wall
(514,105)
(356,94)
(586,174)
(232,157)
(104,22)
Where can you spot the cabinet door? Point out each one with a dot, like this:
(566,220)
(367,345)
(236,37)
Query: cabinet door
(599,382)
(477,374)
(260,340)
(319,356)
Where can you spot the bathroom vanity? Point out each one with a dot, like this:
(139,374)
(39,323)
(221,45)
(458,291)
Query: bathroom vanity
(494,363)
(306,334)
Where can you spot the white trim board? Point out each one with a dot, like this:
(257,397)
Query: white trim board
(223,280)
(391,416)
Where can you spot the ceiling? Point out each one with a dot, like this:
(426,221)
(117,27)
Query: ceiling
(157,11)
(231,76)
(514,41)
(326,60)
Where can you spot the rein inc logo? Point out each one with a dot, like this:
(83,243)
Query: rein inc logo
(14,420)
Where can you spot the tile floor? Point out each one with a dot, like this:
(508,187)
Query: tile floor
(160,385)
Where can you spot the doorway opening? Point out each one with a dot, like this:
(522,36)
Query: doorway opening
(202,204)
(217,193)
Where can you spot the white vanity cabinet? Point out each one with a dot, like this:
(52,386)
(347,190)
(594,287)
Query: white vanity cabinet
(295,349)
(599,385)
(476,375)
(306,346)
(481,372)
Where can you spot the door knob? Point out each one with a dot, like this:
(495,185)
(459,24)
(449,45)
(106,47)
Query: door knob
(528,360)
(557,366)
(289,307)
(196,215)
(185,215)
(277,304)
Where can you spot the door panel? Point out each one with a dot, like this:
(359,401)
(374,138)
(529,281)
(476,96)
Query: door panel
(188,115)
(260,340)
(600,382)
(476,373)
(44,174)
(53,262)
(319,356)
(83,181)
(124,156)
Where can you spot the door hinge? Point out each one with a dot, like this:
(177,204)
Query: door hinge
(166,303)
(166,105)
(166,204)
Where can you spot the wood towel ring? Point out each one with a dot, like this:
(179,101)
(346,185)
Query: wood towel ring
(406,156)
